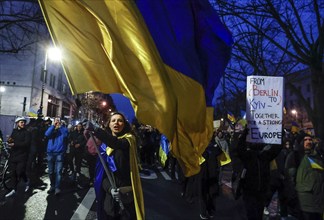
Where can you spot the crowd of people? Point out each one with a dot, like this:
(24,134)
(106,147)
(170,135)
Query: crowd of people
(116,152)
(293,171)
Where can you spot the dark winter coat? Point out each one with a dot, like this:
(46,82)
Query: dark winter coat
(21,148)
(310,183)
(256,160)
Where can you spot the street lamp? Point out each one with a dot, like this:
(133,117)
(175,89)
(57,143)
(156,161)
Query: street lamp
(294,112)
(54,54)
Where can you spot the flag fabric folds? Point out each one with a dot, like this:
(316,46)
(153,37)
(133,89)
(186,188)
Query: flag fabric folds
(190,38)
(167,65)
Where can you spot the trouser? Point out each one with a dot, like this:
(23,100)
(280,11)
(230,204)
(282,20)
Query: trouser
(254,205)
(55,166)
(91,160)
(31,159)
(75,154)
(18,168)
(205,200)
(312,216)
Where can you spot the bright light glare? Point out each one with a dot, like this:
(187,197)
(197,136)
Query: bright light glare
(2,89)
(54,53)
(293,112)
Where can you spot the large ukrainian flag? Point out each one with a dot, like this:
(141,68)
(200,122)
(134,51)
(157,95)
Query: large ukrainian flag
(166,56)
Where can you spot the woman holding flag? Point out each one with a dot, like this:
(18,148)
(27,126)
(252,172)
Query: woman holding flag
(117,182)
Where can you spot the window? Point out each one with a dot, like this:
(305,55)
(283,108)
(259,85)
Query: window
(60,83)
(43,75)
(52,80)
(65,109)
(52,107)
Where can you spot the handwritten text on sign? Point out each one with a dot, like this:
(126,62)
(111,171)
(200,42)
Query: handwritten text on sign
(264,104)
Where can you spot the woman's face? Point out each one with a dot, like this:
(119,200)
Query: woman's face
(116,124)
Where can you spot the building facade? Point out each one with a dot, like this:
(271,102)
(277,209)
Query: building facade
(25,87)
(295,111)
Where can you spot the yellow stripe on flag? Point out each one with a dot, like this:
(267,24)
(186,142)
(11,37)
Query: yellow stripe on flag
(108,48)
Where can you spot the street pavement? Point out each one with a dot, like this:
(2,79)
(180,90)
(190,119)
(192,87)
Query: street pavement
(162,198)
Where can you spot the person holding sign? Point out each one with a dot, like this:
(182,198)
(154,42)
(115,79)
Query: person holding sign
(255,179)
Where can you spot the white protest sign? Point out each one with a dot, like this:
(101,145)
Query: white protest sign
(264,109)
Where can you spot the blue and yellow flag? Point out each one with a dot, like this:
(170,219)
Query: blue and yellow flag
(294,127)
(231,117)
(164,149)
(166,56)
(315,165)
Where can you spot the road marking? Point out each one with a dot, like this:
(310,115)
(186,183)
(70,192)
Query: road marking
(85,206)
(164,174)
(152,174)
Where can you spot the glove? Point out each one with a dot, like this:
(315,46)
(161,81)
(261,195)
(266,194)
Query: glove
(115,194)
(101,134)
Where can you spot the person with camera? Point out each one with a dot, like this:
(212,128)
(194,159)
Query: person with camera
(19,141)
(77,146)
(117,182)
(56,147)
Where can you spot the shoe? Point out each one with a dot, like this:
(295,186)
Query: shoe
(265,211)
(211,214)
(27,186)
(57,192)
(203,216)
(11,193)
(51,190)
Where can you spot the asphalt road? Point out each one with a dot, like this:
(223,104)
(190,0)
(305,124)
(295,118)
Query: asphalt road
(162,200)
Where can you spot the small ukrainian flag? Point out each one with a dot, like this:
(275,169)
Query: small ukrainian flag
(164,149)
(231,117)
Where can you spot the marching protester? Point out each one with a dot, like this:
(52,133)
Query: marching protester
(118,185)
(42,147)
(255,183)
(35,144)
(221,142)
(56,147)
(278,183)
(208,187)
(77,146)
(91,156)
(291,167)
(19,141)
(310,180)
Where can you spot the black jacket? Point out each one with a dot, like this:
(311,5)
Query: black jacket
(256,160)
(21,148)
